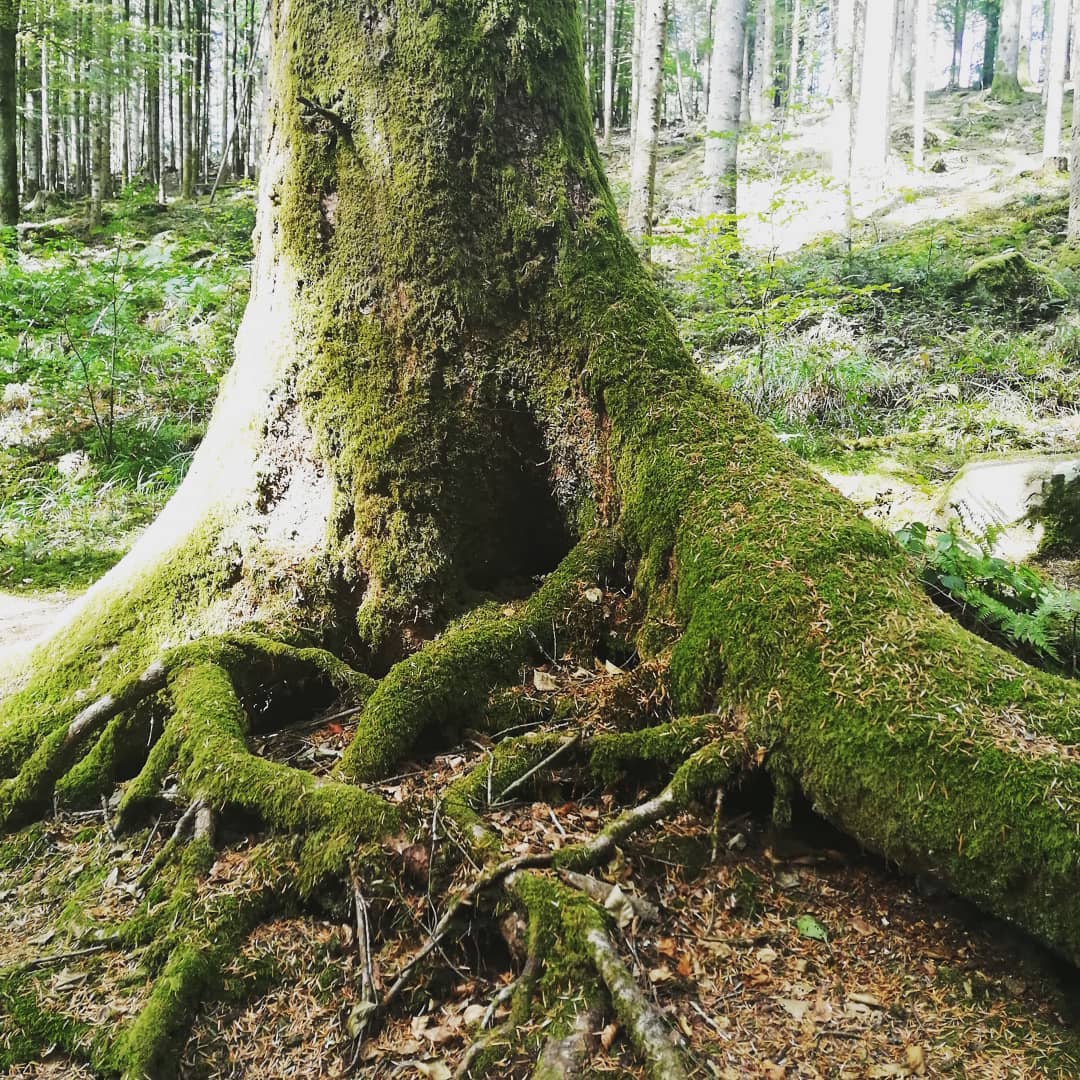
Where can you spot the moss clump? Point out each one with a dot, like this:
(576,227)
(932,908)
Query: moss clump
(1006,88)
(27,1030)
(1012,281)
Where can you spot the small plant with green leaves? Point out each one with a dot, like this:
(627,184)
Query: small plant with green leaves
(1011,605)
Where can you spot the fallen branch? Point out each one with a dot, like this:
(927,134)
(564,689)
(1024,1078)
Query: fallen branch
(648,1032)
(601,891)
(557,752)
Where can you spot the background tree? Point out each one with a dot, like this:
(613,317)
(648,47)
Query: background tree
(647,128)
(9,162)
(1006,84)
(1055,78)
(720,177)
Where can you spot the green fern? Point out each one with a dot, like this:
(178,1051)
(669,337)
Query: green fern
(1011,605)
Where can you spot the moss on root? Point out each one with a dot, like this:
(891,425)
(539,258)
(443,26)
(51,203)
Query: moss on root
(447,684)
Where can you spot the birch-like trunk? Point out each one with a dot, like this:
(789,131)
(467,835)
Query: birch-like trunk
(647,131)
(720,176)
(792,95)
(843,90)
(921,79)
(1074,146)
(609,70)
(1055,78)
(870,149)
(762,77)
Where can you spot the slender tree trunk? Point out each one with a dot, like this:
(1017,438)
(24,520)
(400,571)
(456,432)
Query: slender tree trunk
(959,24)
(1023,66)
(791,96)
(34,110)
(635,69)
(1006,84)
(9,133)
(762,79)
(1055,79)
(721,174)
(609,70)
(1074,144)
(922,77)
(843,91)
(647,133)
(993,19)
(870,149)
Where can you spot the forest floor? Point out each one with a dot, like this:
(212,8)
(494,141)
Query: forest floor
(780,956)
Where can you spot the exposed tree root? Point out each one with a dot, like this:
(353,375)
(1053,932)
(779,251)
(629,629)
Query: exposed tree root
(445,686)
(649,1034)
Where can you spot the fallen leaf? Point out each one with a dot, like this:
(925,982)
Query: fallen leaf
(660,974)
(612,669)
(809,927)
(916,1060)
(794,1008)
(433,1070)
(67,978)
(543,682)
(594,595)
(866,999)
(766,955)
(473,1014)
(773,1072)
(609,1035)
(619,906)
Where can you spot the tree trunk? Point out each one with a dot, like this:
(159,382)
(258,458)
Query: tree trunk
(1074,143)
(959,24)
(1023,63)
(762,78)
(993,16)
(791,95)
(33,116)
(9,134)
(843,91)
(454,372)
(639,216)
(1006,84)
(922,71)
(609,70)
(870,149)
(721,174)
(1055,79)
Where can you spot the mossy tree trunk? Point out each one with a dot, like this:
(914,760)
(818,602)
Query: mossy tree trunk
(454,373)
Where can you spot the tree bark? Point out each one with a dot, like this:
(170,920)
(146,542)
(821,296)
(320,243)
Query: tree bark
(454,372)
(922,71)
(9,155)
(1055,79)
(870,149)
(762,78)
(843,90)
(639,216)
(792,90)
(1074,145)
(993,17)
(1006,84)
(720,177)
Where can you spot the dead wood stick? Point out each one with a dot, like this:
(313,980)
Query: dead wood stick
(601,891)
(435,938)
(557,752)
(648,1032)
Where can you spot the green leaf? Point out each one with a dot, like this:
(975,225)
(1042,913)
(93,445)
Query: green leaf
(809,927)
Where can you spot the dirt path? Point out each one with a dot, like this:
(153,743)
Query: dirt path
(25,618)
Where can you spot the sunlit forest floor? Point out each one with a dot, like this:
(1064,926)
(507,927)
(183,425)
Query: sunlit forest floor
(894,359)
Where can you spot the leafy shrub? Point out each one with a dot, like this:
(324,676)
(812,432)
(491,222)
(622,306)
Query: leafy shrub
(1011,605)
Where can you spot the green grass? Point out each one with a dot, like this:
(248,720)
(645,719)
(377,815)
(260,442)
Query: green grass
(887,345)
(120,338)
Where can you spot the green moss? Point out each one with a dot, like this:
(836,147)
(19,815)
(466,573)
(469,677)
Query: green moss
(636,752)
(446,685)
(27,1029)
(1006,88)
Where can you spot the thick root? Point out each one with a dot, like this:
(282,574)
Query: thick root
(445,686)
